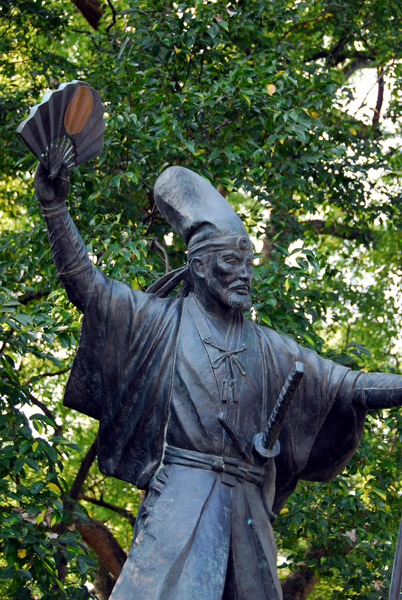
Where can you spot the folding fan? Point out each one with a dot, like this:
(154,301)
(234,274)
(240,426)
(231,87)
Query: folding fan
(67,126)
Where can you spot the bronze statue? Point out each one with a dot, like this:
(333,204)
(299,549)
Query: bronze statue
(182,386)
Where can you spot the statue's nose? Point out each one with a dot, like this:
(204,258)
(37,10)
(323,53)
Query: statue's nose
(245,275)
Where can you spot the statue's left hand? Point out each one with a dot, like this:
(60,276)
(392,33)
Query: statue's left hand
(378,398)
(51,191)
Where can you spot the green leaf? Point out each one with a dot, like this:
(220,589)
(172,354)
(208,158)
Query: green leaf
(36,487)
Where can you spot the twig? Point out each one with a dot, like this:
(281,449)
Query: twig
(46,412)
(76,30)
(146,185)
(201,68)
(152,219)
(225,122)
(302,23)
(165,254)
(47,374)
(86,32)
(113,23)
(118,509)
(375,83)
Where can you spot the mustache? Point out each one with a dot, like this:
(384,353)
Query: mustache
(240,286)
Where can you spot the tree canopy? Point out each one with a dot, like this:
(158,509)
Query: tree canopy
(260,98)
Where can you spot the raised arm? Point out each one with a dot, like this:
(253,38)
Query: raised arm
(73,265)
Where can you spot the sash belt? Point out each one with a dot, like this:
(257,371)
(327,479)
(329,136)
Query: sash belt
(231,469)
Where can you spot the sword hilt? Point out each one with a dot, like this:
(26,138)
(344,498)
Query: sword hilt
(234,435)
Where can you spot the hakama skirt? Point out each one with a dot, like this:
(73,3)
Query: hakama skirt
(197,538)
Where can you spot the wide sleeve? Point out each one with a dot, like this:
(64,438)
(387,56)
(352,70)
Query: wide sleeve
(325,421)
(122,375)
(114,313)
(340,433)
(322,428)
(83,389)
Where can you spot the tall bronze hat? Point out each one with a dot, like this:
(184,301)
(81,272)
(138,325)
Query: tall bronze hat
(200,215)
(198,212)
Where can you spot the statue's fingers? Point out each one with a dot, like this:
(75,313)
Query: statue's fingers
(41,181)
(41,172)
(63,173)
(63,180)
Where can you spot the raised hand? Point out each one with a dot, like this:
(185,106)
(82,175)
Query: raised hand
(51,191)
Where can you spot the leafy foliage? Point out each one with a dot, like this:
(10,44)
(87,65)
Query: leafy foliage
(254,96)
(32,486)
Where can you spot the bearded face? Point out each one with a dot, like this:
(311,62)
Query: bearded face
(228,276)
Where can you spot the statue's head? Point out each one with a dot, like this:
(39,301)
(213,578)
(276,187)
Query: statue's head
(220,254)
(225,275)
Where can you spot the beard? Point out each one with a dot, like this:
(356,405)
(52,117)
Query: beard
(238,302)
(230,296)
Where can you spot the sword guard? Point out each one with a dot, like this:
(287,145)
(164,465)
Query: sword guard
(258,443)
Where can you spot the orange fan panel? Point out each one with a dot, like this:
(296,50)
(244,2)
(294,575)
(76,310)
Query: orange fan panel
(78,110)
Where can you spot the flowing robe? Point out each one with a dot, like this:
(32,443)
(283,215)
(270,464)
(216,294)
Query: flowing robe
(146,370)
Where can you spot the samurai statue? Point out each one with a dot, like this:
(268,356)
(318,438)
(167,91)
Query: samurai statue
(183,386)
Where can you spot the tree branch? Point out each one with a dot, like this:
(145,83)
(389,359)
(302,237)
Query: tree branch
(118,509)
(165,254)
(223,124)
(47,374)
(343,231)
(46,412)
(358,60)
(91,10)
(113,23)
(104,544)
(379,78)
(380,99)
(300,582)
(103,582)
(355,65)
(86,463)
(149,188)
(303,23)
(85,31)
(32,295)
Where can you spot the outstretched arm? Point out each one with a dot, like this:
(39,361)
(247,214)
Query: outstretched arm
(378,390)
(73,265)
